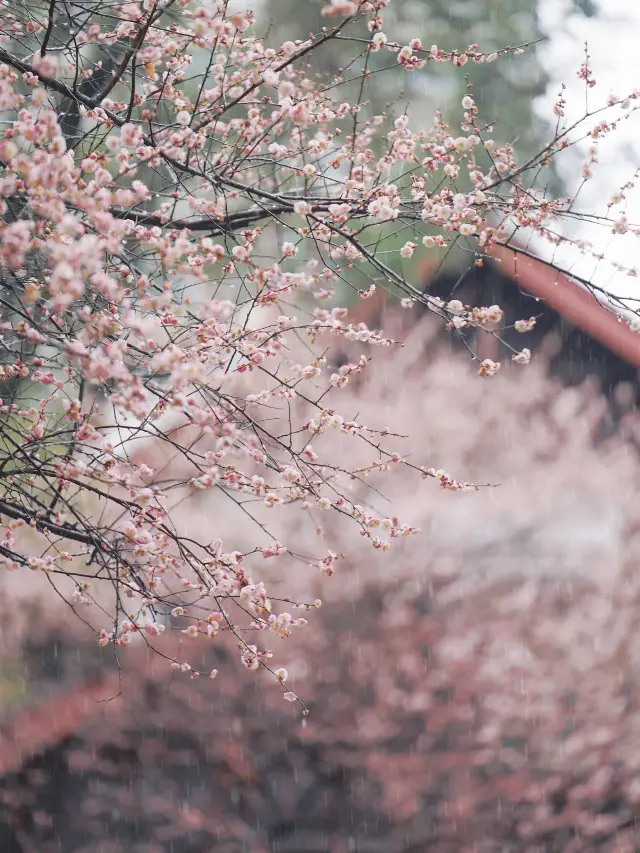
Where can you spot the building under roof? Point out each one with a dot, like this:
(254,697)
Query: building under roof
(581,338)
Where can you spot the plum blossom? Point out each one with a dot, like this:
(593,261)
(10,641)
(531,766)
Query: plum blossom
(523,357)
(489,367)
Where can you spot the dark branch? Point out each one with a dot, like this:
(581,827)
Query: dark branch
(63,530)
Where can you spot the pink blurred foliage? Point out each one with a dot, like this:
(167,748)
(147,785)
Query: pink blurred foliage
(555,500)
(478,686)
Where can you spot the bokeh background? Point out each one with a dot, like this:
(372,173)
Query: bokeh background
(479,689)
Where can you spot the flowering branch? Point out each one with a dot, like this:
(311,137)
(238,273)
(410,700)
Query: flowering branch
(147,368)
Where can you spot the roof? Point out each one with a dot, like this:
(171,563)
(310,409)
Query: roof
(570,299)
(440,754)
(37,727)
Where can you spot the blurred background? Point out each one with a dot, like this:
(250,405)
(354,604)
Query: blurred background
(479,691)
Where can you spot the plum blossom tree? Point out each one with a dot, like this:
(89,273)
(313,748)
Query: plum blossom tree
(183,212)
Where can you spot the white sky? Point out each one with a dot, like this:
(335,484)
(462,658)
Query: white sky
(613,39)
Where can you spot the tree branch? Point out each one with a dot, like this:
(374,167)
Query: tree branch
(47,35)
(63,530)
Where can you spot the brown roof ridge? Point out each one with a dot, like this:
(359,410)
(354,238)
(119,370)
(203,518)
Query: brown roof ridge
(39,725)
(570,298)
